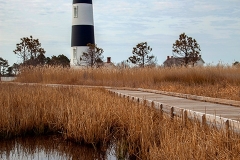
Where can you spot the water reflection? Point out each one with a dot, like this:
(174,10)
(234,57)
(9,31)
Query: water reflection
(48,148)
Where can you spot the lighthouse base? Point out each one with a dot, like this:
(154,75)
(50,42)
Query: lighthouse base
(76,53)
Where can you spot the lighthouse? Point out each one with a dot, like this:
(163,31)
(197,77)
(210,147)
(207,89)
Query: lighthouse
(82,29)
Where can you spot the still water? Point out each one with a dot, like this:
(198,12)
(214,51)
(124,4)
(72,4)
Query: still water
(49,148)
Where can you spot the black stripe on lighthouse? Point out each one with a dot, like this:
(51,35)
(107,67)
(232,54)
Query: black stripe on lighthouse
(82,1)
(82,28)
(82,35)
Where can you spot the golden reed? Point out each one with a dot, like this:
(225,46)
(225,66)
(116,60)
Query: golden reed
(96,117)
(219,82)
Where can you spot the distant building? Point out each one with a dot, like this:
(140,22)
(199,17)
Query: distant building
(179,61)
(108,64)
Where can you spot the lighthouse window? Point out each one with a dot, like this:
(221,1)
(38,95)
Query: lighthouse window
(75,11)
(74,53)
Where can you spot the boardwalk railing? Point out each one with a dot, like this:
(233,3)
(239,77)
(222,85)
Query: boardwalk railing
(7,79)
(185,114)
(190,96)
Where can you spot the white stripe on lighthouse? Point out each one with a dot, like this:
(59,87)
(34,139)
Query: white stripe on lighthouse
(84,14)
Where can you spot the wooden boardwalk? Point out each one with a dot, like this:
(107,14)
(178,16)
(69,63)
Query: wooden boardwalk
(221,114)
(220,110)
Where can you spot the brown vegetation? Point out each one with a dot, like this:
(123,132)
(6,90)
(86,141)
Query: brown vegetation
(219,82)
(95,117)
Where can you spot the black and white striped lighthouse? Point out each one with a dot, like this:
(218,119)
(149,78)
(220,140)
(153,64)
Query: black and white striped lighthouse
(82,29)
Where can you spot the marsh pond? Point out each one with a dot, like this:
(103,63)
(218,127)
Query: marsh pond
(52,147)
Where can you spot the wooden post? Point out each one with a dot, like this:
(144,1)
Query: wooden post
(128,98)
(152,104)
(171,112)
(227,129)
(185,117)
(160,111)
(204,121)
(161,108)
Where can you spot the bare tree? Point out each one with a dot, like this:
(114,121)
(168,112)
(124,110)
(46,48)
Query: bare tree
(28,49)
(22,49)
(93,57)
(141,55)
(34,48)
(123,64)
(186,49)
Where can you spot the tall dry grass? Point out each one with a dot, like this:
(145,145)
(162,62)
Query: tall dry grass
(96,117)
(219,82)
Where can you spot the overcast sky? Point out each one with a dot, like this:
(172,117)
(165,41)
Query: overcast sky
(122,24)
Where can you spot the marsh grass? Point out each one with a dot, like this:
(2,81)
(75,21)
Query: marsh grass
(96,117)
(219,82)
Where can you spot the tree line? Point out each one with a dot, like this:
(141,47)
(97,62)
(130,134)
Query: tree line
(185,48)
(32,54)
